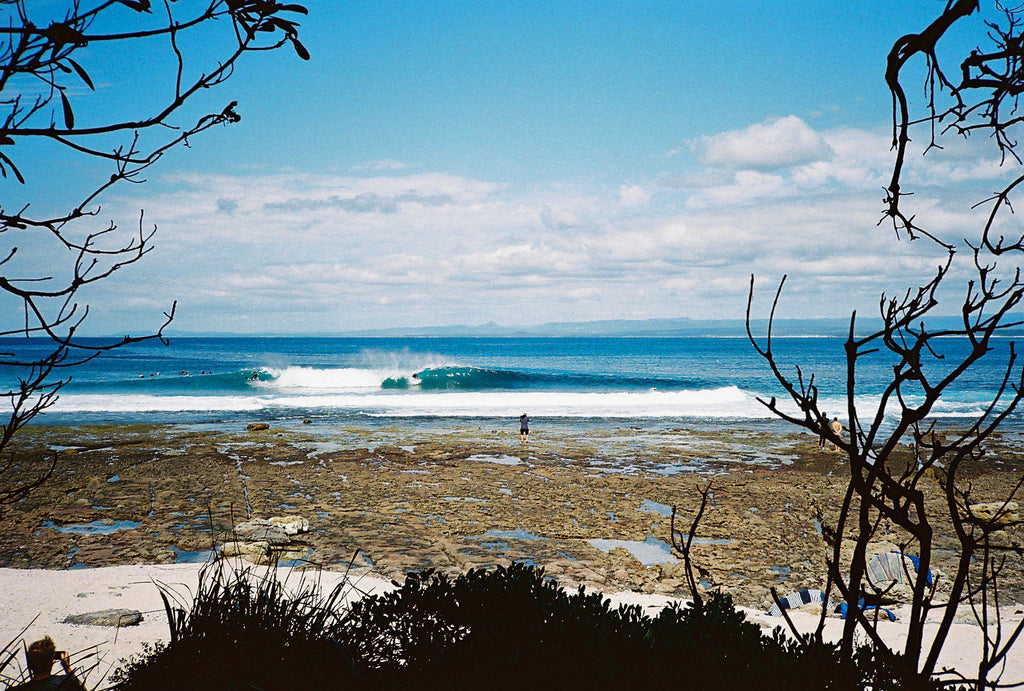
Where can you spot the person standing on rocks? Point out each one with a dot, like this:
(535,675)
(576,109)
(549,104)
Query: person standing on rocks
(524,428)
(837,429)
(40,657)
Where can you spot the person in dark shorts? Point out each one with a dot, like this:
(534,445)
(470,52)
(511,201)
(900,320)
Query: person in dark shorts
(524,427)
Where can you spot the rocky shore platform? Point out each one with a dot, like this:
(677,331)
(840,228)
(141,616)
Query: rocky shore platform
(592,508)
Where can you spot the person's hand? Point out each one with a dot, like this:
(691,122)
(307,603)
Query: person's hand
(65,661)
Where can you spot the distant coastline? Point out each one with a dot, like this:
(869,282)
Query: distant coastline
(681,327)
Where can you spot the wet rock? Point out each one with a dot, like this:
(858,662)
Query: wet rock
(95,555)
(106,617)
(262,529)
(672,571)
(421,509)
(621,555)
(257,426)
(257,552)
(289,554)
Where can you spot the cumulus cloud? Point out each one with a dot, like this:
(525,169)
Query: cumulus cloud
(859,160)
(778,143)
(746,185)
(558,219)
(294,252)
(633,196)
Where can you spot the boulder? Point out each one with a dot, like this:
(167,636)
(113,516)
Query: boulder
(292,525)
(106,617)
(261,529)
(995,512)
(257,426)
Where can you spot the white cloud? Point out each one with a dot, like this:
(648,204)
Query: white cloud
(777,143)
(859,161)
(558,219)
(293,252)
(746,185)
(384,164)
(633,196)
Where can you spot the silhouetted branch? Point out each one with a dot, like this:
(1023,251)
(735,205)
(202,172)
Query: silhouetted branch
(900,468)
(56,55)
(683,546)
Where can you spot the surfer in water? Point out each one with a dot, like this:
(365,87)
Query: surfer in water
(524,428)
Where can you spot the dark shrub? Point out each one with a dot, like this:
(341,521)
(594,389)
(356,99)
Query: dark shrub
(507,624)
(511,627)
(500,628)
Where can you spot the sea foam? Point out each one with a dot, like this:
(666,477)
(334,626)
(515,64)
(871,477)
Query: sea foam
(323,378)
(725,402)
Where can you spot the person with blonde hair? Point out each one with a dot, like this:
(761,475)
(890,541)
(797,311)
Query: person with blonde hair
(40,656)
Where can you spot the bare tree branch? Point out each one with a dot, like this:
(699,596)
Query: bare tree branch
(902,472)
(43,65)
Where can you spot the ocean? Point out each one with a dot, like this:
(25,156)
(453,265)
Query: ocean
(647,381)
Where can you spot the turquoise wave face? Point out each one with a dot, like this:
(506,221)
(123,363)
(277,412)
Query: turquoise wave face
(482,379)
(464,378)
(472,378)
(261,380)
(176,382)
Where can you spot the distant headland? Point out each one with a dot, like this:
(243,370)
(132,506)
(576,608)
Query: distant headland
(681,327)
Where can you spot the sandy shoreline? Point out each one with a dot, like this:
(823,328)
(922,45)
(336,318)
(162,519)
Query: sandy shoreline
(46,597)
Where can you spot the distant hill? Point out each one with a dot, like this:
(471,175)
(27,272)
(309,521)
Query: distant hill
(679,327)
(624,328)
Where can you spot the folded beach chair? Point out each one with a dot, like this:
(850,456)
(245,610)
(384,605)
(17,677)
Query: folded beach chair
(887,567)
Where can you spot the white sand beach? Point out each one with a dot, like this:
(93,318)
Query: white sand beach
(41,599)
(35,602)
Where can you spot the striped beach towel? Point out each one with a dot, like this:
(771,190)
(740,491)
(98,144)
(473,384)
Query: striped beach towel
(804,597)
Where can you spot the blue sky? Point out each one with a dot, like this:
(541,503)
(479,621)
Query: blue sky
(461,163)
